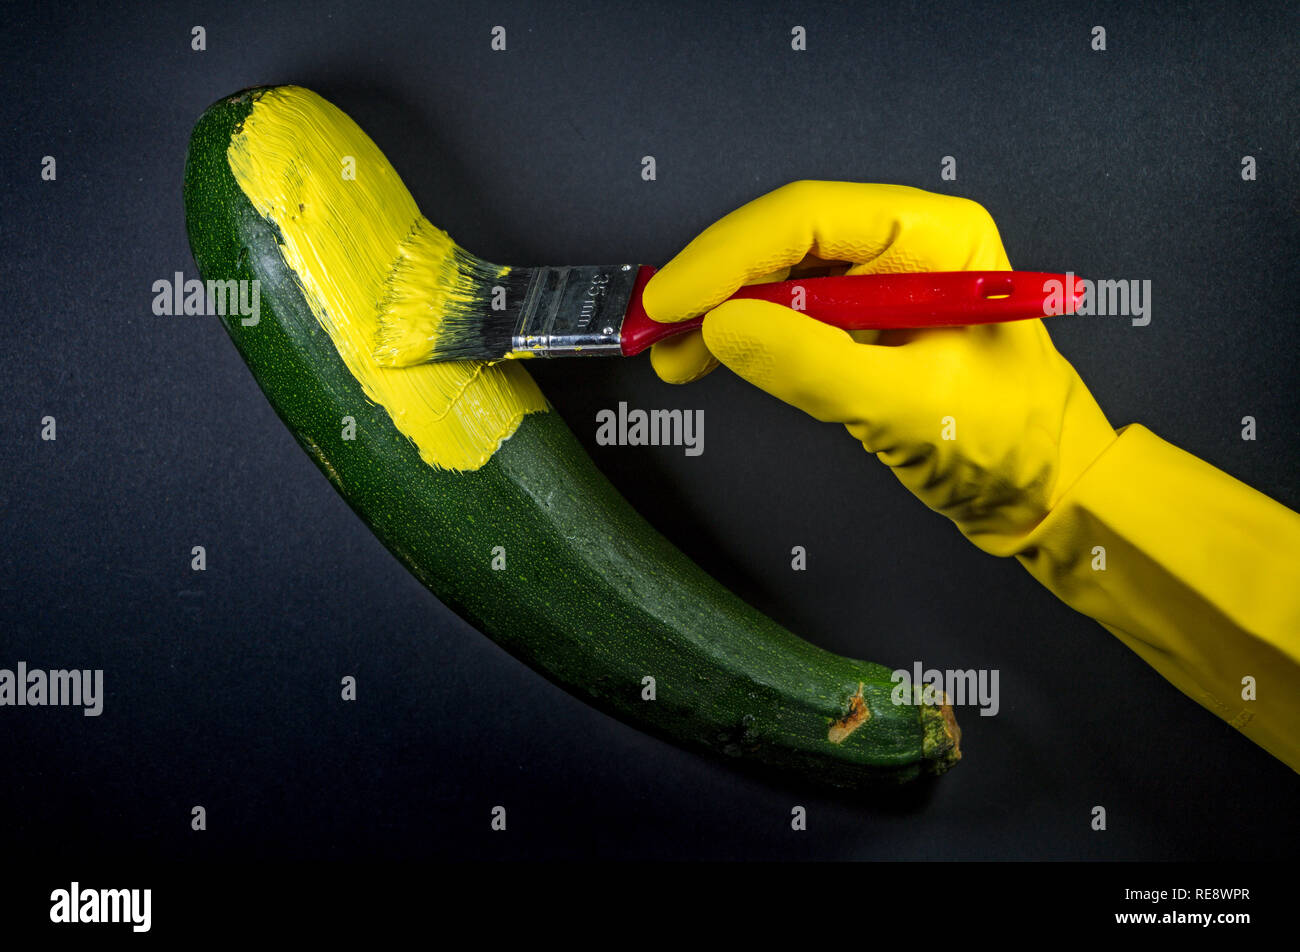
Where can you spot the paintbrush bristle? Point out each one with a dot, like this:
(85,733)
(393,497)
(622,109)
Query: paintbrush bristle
(438,303)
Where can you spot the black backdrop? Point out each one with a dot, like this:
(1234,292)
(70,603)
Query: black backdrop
(222,686)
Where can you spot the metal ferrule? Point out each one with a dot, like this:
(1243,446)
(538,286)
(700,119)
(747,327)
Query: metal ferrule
(575,310)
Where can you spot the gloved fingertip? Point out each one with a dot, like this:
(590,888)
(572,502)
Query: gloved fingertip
(741,321)
(656,296)
(737,332)
(811,365)
(683,359)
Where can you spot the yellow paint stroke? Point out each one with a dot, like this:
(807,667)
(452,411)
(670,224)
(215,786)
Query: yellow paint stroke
(431,281)
(342,236)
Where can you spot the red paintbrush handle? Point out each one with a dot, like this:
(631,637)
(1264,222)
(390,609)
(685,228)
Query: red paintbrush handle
(883,301)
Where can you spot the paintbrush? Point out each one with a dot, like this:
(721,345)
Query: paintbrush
(442,303)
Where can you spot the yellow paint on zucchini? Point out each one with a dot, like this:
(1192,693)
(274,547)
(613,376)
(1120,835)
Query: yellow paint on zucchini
(342,236)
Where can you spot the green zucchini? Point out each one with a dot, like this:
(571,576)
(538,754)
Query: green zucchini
(591,597)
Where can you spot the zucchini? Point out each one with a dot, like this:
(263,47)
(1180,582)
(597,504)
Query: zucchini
(591,596)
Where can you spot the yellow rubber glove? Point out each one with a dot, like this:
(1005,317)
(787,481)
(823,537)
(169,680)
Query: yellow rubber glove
(991,426)
(1024,424)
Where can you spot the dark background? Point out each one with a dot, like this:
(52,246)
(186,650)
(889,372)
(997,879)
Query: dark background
(223,686)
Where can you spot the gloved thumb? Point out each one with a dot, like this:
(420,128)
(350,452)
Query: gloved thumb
(818,368)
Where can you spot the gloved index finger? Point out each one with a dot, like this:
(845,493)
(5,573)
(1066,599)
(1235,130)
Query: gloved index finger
(883,228)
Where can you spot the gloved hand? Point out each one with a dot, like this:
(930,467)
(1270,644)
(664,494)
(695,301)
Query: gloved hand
(988,425)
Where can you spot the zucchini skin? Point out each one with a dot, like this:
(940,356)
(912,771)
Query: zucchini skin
(592,596)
